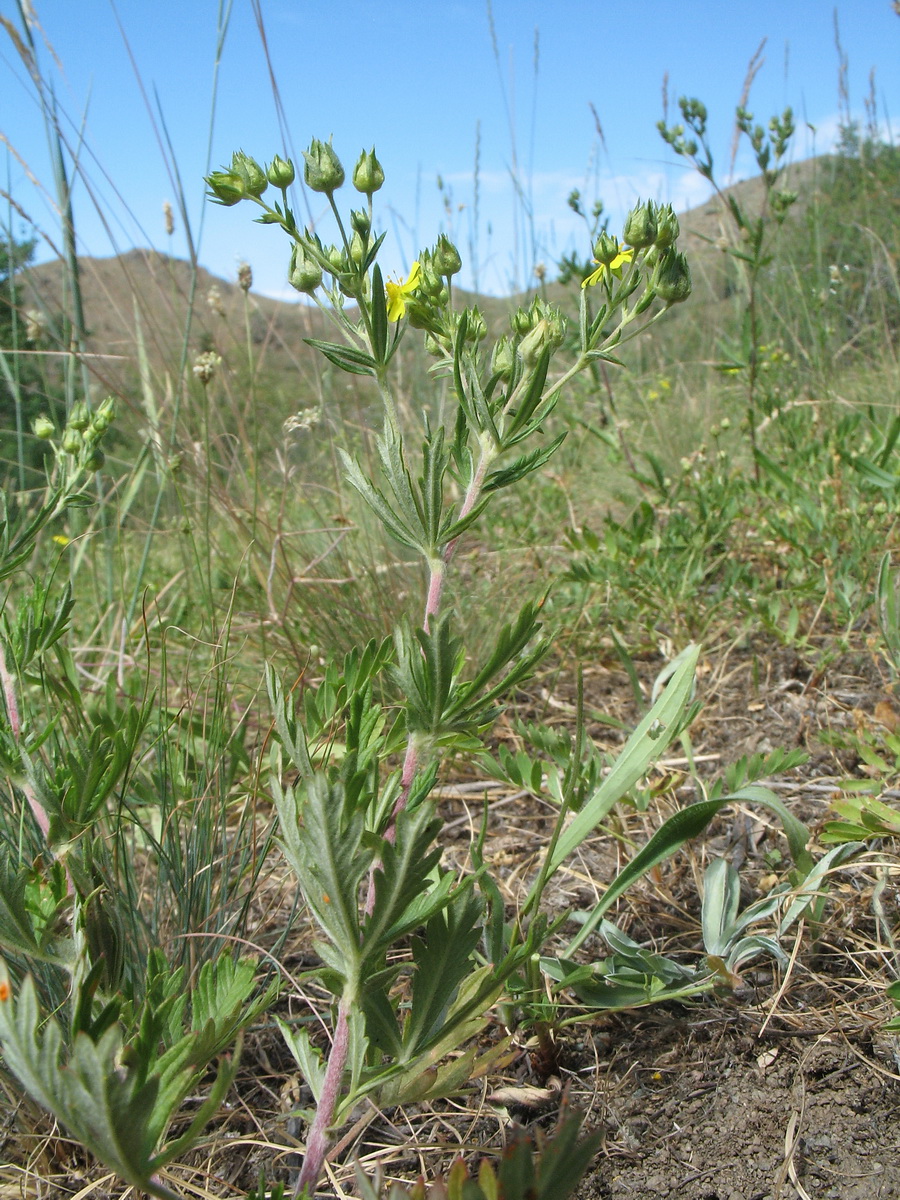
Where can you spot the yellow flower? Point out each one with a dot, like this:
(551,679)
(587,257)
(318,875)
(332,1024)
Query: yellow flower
(61,539)
(397,293)
(624,256)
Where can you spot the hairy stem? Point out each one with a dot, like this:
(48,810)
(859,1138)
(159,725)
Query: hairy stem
(318,1138)
(9,695)
(439,565)
(8,684)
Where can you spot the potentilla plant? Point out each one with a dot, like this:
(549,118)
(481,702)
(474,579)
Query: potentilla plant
(752,248)
(359,826)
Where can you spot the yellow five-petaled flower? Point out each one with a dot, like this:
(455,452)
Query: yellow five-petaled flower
(624,256)
(397,293)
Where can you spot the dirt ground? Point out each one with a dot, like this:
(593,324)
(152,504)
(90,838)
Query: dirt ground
(788,1088)
(704,1107)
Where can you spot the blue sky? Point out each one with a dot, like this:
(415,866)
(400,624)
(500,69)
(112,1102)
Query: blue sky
(420,80)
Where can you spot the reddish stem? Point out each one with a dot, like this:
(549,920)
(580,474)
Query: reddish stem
(318,1139)
(8,684)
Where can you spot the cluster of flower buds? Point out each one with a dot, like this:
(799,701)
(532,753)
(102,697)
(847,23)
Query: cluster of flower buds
(425,299)
(651,231)
(243,180)
(83,433)
(323,172)
(538,328)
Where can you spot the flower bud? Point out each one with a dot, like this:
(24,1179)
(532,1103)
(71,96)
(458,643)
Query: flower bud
(672,277)
(95,460)
(359,220)
(522,321)
(446,257)
(336,259)
(357,249)
(476,327)
(245,277)
(71,442)
(79,418)
(503,357)
(250,172)
(226,187)
(667,227)
(534,343)
(104,416)
(43,428)
(606,248)
(368,174)
(640,226)
(305,273)
(322,170)
(547,333)
(430,284)
(280,172)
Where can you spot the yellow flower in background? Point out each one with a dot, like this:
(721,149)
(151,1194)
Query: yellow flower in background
(397,293)
(61,539)
(624,256)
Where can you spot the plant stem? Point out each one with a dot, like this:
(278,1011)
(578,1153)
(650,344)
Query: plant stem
(317,1141)
(438,566)
(8,684)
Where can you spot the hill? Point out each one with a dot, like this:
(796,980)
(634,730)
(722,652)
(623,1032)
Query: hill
(137,303)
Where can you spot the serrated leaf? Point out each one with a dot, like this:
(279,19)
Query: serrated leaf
(442,959)
(404,874)
(308,1059)
(395,523)
(99,1093)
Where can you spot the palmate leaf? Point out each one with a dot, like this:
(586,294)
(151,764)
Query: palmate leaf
(442,959)
(17,931)
(426,668)
(403,875)
(512,642)
(108,1102)
(523,465)
(324,846)
(398,525)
